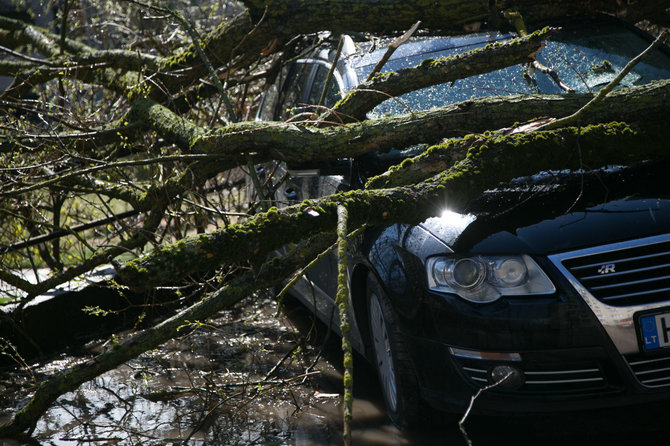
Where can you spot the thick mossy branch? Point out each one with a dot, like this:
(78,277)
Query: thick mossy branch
(268,24)
(231,293)
(293,142)
(434,160)
(43,40)
(167,124)
(436,71)
(650,108)
(537,10)
(122,59)
(493,160)
(498,159)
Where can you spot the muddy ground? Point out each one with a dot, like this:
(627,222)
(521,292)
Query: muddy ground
(252,376)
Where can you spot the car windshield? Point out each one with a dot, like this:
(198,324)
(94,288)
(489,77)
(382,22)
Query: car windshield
(585,60)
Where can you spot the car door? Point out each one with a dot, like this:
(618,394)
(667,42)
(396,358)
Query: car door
(298,98)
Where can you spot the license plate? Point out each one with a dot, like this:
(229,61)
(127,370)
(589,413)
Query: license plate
(655,331)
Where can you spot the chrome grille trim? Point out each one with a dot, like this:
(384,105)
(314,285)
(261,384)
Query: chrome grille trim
(652,372)
(625,275)
(649,382)
(646,372)
(565,372)
(565,381)
(641,293)
(646,361)
(632,282)
(616,318)
(629,259)
(551,380)
(470,369)
(590,375)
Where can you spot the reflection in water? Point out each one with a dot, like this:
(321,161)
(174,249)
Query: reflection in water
(248,378)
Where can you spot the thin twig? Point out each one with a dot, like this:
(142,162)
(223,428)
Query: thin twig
(79,173)
(576,116)
(473,398)
(391,49)
(329,77)
(300,273)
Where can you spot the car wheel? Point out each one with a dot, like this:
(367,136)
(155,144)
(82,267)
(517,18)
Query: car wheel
(391,358)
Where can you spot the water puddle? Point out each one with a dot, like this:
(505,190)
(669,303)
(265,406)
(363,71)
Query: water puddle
(249,378)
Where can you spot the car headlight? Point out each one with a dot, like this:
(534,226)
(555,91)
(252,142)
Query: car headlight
(487,278)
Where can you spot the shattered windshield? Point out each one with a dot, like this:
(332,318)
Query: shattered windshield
(584,59)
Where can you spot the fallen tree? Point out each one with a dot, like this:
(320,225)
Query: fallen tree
(127,129)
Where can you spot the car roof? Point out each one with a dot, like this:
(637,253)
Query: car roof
(370,51)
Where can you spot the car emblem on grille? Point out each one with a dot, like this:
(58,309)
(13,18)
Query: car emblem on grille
(606,269)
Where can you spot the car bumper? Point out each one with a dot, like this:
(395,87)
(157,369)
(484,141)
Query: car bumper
(557,355)
(544,381)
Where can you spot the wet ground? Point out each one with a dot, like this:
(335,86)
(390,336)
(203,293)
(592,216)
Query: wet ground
(250,378)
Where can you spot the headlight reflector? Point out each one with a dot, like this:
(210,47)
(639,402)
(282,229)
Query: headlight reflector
(468,273)
(487,278)
(510,272)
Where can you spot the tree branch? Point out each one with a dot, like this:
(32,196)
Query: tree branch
(229,294)
(430,72)
(493,160)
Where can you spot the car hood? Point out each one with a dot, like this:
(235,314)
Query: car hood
(577,212)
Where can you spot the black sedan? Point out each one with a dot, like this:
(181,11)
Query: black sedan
(553,290)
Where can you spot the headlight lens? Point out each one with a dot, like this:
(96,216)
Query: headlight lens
(487,278)
(467,273)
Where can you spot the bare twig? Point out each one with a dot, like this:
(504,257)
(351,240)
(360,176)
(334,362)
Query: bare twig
(300,273)
(473,398)
(551,73)
(576,116)
(391,49)
(517,20)
(105,166)
(322,98)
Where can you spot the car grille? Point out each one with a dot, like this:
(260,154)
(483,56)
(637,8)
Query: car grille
(650,372)
(550,380)
(632,275)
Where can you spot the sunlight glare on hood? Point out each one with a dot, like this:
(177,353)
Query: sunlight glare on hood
(456,220)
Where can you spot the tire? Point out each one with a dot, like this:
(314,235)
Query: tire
(397,376)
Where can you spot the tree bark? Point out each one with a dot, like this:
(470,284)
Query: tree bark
(492,160)
(430,72)
(274,140)
(267,25)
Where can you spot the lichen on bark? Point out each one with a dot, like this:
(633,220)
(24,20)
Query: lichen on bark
(489,161)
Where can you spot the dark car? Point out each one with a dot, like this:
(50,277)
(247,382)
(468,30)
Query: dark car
(555,287)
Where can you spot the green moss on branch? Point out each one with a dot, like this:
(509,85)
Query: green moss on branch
(232,292)
(436,71)
(489,162)
(644,103)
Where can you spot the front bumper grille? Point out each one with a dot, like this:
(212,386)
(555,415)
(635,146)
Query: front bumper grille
(650,371)
(632,274)
(582,378)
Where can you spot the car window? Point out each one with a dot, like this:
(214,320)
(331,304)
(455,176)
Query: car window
(294,91)
(333,92)
(590,60)
(585,60)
